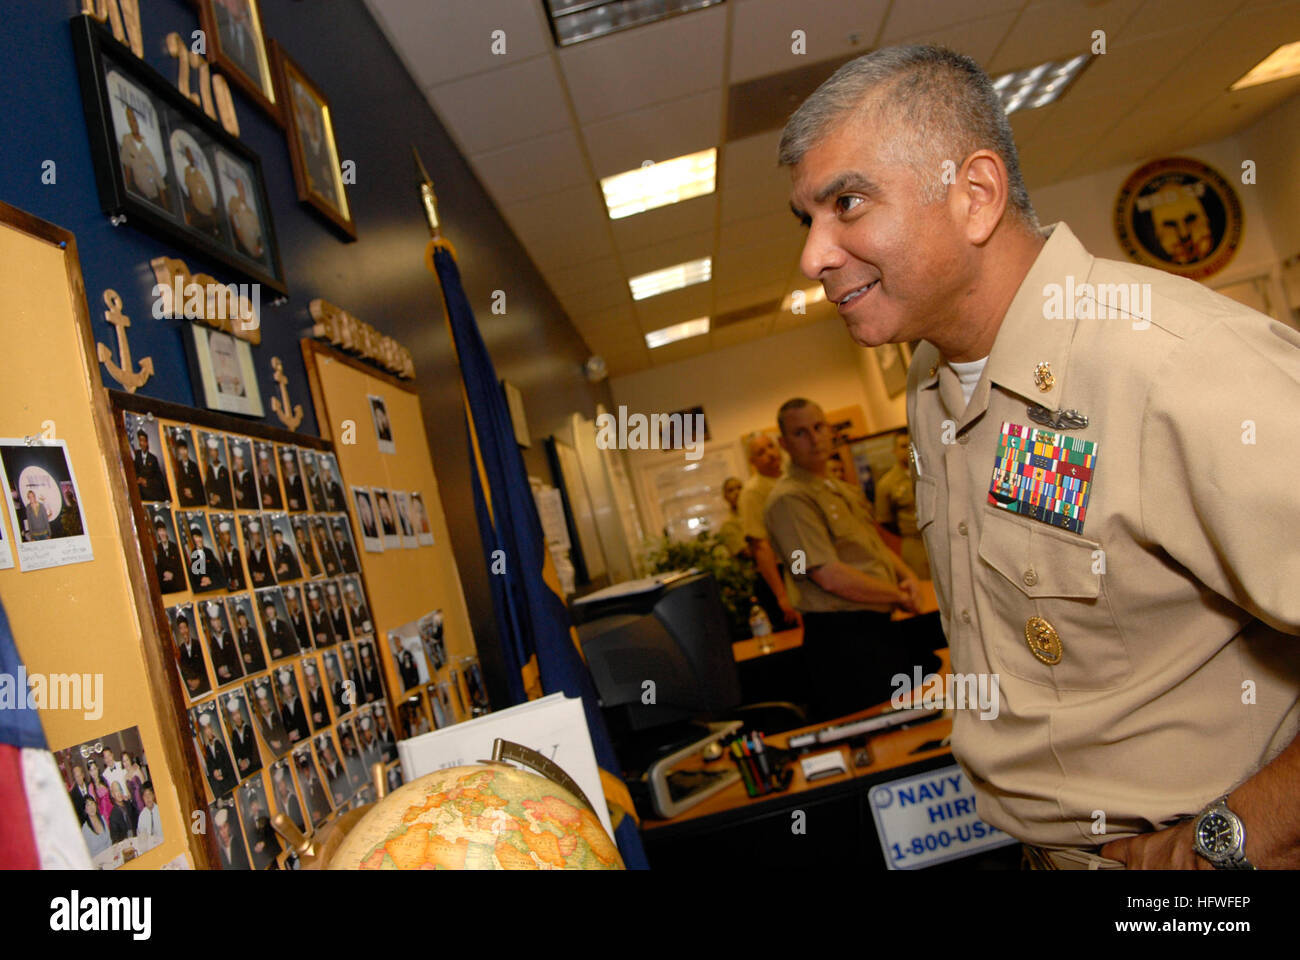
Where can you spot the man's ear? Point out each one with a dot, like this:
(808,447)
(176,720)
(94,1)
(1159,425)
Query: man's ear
(982,194)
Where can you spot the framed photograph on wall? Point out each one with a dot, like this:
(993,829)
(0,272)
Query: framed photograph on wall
(163,166)
(237,46)
(222,367)
(309,128)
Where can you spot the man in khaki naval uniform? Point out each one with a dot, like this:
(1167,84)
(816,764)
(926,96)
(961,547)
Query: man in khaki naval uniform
(842,577)
(896,508)
(765,457)
(1137,596)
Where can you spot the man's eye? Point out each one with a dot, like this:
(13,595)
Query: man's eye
(847,203)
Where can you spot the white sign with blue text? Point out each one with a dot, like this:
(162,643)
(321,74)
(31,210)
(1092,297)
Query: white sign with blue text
(929,818)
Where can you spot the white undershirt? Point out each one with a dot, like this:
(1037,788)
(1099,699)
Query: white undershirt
(969,374)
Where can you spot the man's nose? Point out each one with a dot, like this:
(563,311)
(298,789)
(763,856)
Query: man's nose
(820,253)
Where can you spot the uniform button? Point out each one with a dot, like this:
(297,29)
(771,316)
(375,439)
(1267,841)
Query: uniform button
(965,616)
(1030,578)
(934,370)
(961,528)
(963,438)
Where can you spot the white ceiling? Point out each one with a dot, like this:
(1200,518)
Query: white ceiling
(541,125)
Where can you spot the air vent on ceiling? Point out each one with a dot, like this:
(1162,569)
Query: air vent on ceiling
(745,313)
(573,21)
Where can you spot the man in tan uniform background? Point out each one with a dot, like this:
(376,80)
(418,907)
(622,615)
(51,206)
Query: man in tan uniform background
(842,577)
(765,458)
(896,508)
(1107,495)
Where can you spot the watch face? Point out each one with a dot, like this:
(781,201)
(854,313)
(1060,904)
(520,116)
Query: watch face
(1216,834)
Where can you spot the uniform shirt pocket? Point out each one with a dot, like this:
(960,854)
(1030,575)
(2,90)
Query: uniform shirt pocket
(1028,569)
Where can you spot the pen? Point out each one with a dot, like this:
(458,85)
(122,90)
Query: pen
(753,766)
(744,770)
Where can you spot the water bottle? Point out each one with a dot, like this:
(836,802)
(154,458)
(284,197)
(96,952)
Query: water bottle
(759,625)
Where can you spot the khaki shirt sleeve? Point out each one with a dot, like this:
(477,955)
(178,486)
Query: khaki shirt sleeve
(1220,468)
(796,523)
(751,508)
(884,503)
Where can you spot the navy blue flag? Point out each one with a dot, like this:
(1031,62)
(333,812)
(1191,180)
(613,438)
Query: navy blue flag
(538,641)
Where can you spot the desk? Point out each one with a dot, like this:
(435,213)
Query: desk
(776,670)
(732,829)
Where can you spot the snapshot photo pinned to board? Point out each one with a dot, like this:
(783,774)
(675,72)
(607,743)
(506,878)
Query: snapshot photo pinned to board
(371,537)
(387,518)
(383,426)
(44,504)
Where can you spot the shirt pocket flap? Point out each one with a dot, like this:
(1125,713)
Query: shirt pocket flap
(1039,562)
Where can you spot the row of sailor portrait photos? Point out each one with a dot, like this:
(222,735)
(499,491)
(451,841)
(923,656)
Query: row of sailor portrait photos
(232,472)
(325,774)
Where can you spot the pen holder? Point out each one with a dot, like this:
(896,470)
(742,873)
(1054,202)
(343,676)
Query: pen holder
(763,770)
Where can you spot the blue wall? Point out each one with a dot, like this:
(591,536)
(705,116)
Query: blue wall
(381,279)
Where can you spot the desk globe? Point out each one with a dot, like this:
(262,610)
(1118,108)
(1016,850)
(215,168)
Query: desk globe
(487,816)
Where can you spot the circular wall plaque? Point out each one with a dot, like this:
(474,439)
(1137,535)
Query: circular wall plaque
(1179,215)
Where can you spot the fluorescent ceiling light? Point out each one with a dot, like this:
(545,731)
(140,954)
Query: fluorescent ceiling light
(671,278)
(660,184)
(1038,86)
(573,21)
(811,295)
(1281,63)
(678,331)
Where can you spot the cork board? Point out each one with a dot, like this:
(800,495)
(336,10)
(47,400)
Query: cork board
(52,385)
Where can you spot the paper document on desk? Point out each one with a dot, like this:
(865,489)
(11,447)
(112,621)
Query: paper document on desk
(554,726)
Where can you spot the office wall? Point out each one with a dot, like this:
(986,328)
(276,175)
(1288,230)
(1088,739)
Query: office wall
(1087,204)
(1274,144)
(741,387)
(378,111)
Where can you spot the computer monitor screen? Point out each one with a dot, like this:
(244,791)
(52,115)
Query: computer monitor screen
(663,655)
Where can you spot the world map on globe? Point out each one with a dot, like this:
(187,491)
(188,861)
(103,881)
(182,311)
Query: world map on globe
(479,817)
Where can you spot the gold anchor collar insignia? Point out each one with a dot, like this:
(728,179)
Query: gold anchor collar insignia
(1044,379)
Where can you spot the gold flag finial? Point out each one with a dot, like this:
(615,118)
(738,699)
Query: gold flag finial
(427,196)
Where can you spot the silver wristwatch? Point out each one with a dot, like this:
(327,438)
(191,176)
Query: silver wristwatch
(1221,837)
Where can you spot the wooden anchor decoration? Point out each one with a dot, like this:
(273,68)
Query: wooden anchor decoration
(281,406)
(130,381)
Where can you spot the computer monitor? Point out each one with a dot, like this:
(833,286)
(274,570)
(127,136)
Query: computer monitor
(660,656)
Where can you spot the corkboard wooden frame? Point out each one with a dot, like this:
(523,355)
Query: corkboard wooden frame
(177,761)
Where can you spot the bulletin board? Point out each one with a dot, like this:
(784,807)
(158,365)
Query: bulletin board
(405,584)
(312,760)
(87,618)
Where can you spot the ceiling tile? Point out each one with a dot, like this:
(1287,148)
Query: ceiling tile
(651,64)
(444,41)
(761,38)
(740,332)
(679,306)
(1163,17)
(1058,29)
(681,350)
(978,39)
(753,265)
(662,224)
(578,302)
(770,228)
(586,276)
(656,133)
(739,299)
(533,168)
(922,17)
(751,181)
(669,253)
(490,110)
(562,229)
